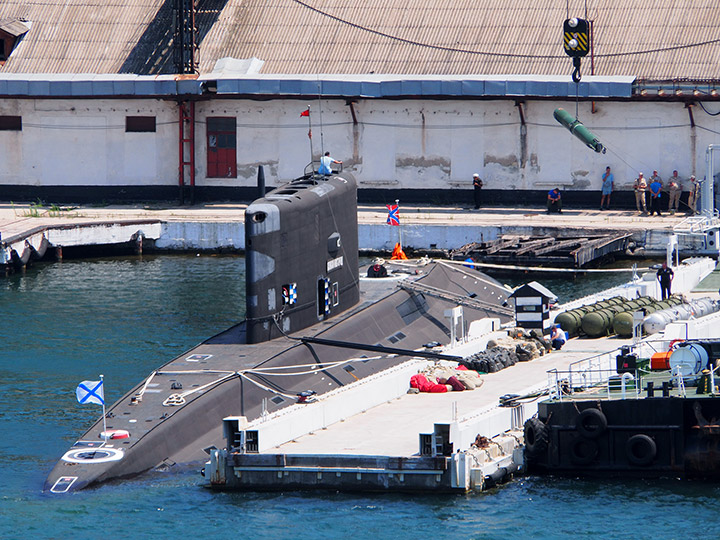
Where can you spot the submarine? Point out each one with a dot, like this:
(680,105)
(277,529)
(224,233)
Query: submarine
(312,324)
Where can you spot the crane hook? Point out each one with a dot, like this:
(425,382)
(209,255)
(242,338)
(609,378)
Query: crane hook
(576,72)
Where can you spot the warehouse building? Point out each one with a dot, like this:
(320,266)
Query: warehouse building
(155,100)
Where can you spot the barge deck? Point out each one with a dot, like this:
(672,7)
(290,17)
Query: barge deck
(406,444)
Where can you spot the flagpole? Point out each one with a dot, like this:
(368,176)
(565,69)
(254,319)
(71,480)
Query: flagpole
(397,203)
(310,137)
(322,142)
(105,437)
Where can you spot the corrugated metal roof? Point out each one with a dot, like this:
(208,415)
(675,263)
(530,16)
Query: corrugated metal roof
(656,40)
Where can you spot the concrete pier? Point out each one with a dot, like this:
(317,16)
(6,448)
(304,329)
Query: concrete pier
(411,442)
(221,226)
(373,435)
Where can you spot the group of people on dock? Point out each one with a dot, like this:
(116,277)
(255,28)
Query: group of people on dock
(654,192)
(650,193)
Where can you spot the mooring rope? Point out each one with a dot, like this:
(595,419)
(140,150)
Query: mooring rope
(548,269)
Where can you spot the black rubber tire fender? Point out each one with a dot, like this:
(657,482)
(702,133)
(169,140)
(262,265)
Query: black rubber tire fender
(536,437)
(583,451)
(591,423)
(640,450)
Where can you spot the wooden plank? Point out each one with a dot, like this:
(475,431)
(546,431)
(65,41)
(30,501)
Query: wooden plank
(599,242)
(501,243)
(533,244)
(559,245)
(599,247)
(463,251)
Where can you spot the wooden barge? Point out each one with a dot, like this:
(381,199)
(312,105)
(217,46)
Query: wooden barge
(556,251)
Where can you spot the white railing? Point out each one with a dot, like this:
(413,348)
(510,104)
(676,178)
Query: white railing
(605,382)
(698,224)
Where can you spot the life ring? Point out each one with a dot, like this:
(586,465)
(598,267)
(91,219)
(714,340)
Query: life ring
(640,450)
(536,437)
(591,423)
(583,451)
(115,434)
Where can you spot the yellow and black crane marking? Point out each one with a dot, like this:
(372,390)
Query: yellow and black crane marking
(577,41)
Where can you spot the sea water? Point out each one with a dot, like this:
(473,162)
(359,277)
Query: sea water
(122,317)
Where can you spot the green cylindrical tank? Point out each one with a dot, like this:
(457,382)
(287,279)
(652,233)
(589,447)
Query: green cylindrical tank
(634,305)
(579,130)
(571,321)
(599,322)
(670,302)
(613,301)
(623,323)
(623,320)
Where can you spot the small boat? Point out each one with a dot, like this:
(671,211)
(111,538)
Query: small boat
(313,324)
(659,420)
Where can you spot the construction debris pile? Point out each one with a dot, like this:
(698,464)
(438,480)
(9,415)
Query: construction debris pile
(519,346)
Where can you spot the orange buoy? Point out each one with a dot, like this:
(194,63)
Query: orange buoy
(398,253)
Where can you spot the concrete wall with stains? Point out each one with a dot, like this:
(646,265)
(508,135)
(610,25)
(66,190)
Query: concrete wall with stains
(402,144)
(84,143)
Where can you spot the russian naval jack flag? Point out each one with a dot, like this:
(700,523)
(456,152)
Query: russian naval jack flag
(90,392)
(93,392)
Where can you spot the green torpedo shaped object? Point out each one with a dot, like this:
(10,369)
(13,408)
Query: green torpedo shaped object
(579,130)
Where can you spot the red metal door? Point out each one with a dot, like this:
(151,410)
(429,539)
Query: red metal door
(221,148)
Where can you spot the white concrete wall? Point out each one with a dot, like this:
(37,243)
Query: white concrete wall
(401,144)
(83,142)
(198,235)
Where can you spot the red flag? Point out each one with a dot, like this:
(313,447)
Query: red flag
(305,113)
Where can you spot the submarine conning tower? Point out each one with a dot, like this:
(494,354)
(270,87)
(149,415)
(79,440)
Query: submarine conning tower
(301,255)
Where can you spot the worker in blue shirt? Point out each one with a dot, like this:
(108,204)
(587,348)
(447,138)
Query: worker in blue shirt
(326,163)
(608,180)
(554,201)
(655,193)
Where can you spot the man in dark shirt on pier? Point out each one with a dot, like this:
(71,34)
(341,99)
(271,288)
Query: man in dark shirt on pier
(665,277)
(477,189)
